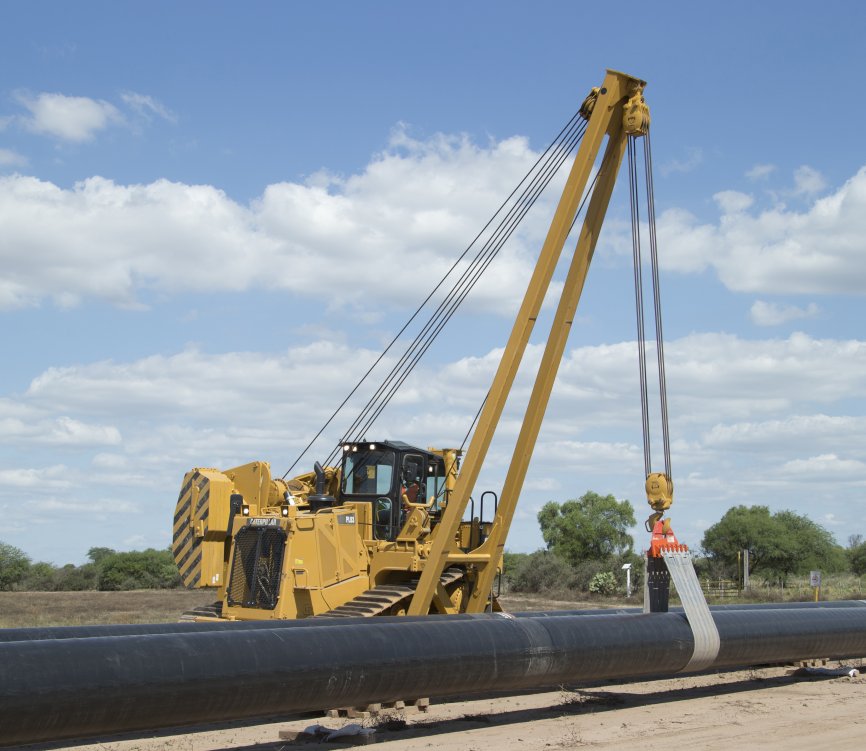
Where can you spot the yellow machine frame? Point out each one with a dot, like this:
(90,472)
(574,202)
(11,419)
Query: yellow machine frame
(331,561)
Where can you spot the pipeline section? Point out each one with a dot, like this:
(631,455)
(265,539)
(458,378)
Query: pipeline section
(182,627)
(52,689)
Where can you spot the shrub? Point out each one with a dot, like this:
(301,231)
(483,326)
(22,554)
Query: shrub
(71,578)
(542,571)
(14,566)
(510,564)
(147,569)
(603,583)
(586,571)
(40,578)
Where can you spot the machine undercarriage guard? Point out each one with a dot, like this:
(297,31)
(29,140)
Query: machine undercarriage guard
(387,600)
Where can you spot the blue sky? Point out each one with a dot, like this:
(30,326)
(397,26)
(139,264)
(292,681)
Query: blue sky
(212,217)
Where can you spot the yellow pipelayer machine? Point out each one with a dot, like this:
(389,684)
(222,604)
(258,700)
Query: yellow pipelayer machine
(384,533)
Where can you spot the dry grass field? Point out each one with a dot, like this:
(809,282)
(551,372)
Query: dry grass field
(32,609)
(35,609)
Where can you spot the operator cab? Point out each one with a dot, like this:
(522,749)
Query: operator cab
(388,474)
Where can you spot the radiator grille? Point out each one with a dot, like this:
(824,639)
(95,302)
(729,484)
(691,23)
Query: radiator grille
(256,567)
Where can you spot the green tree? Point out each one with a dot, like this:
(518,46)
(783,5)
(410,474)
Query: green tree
(779,544)
(76,578)
(40,577)
(590,528)
(14,565)
(97,555)
(510,563)
(146,569)
(857,558)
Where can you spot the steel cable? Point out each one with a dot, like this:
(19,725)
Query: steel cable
(638,299)
(660,352)
(557,153)
(451,303)
(639,304)
(574,221)
(565,132)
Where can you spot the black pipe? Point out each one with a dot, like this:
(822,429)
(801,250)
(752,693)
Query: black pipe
(183,627)
(136,629)
(54,689)
(190,627)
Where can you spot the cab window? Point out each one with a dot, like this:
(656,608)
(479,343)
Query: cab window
(368,472)
(436,482)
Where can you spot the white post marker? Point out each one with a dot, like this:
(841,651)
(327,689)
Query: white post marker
(627,568)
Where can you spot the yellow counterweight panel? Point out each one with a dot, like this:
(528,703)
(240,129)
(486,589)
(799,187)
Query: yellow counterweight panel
(200,527)
(253,482)
(202,516)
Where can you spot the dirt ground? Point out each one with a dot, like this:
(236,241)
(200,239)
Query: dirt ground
(764,708)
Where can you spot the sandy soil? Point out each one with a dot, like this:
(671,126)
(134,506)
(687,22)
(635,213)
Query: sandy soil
(764,708)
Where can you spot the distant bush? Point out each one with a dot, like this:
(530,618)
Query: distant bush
(146,569)
(107,570)
(14,566)
(857,558)
(510,564)
(71,578)
(542,571)
(40,577)
(586,571)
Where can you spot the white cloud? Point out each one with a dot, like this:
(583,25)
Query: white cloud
(48,477)
(772,314)
(808,181)
(750,423)
(827,467)
(419,200)
(69,118)
(813,428)
(95,507)
(21,424)
(818,250)
(761,171)
(732,201)
(174,407)
(9,158)
(69,431)
(147,106)
(110,461)
(423,199)
(768,447)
